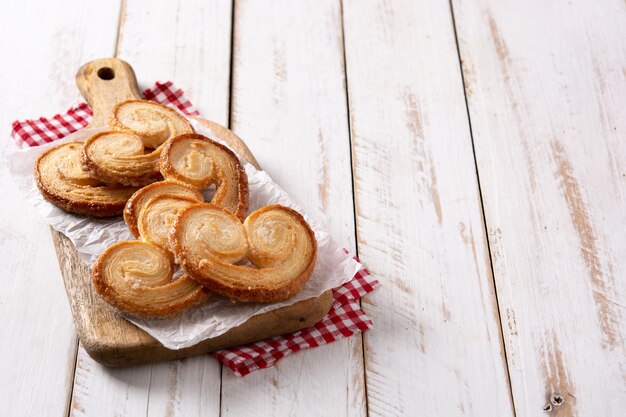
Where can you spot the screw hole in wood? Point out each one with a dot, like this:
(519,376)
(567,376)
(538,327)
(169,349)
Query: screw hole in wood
(557,399)
(106,73)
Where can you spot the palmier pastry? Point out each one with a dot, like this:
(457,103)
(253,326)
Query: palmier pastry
(153,122)
(158,216)
(129,154)
(147,266)
(137,277)
(62,181)
(199,161)
(141,198)
(208,240)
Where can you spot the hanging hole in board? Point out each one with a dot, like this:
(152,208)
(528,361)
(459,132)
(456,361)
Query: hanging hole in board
(106,73)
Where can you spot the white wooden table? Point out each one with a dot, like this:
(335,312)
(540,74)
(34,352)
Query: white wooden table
(473,153)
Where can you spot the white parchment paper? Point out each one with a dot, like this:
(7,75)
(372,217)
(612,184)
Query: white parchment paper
(92,236)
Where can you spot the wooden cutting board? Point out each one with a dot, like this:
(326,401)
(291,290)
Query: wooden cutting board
(107,337)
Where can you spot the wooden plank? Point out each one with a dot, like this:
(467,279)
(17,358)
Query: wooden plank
(186,42)
(436,347)
(289,105)
(546,84)
(183,42)
(187,387)
(44,44)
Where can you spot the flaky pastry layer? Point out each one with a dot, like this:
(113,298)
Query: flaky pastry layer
(199,161)
(63,182)
(129,154)
(157,217)
(138,200)
(209,240)
(137,277)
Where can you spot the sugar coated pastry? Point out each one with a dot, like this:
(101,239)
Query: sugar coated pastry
(158,216)
(200,162)
(129,153)
(143,195)
(209,241)
(63,182)
(137,278)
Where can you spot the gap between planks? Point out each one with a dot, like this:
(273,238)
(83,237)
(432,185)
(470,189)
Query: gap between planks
(72,370)
(482,207)
(233,6)
(352,173)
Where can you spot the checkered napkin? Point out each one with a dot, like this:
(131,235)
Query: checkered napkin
(345,316)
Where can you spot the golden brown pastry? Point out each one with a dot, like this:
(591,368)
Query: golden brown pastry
(129,154)
(153,122)
(137,277)
(208,240)
(158,216)
(199,161)
(141,197)
(62,181)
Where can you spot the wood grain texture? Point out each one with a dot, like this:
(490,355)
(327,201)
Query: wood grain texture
(104,82)
(187,42)
(289,103)
(184,387)
(43,44)
(546,84)
(436,347)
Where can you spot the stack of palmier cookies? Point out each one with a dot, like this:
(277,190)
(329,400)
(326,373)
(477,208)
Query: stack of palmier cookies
(151,166)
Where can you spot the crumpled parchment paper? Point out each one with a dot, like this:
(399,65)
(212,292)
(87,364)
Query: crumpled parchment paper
(92,236)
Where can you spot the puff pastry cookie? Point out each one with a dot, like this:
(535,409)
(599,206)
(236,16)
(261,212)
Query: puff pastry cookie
(137,202)
(208,241)
(129,154)
(200,162)
(62,181)
(137,277)
(158,216)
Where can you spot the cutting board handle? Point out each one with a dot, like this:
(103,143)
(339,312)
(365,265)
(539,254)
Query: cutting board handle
(104,83)
(107,81)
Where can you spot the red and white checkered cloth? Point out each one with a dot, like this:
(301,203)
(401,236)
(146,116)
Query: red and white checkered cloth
(44,130)
(345,317)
